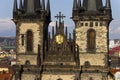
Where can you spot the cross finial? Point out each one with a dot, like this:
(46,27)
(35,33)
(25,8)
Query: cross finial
(60,16)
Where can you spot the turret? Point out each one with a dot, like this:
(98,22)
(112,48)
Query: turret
(25,5)
(56,26)
(43,5)
(79,4)
(53,32)
(108,5)
(66,32)
(15,9)
(20,6)
(75,6)
(48,7)
(38,5)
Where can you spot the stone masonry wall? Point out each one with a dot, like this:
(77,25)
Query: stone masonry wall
(23,58)
(37,28)
(97,59)
(101,37)
(28,77)
(58,76)
(91,76)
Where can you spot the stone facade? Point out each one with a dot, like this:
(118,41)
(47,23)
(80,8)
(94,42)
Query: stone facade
(91,33)
(28,76)
(58,76)
(61,58)
(23,54)
(101,36)
(37,29)
(91,76)
(96,60)
(99,56)
(23,58)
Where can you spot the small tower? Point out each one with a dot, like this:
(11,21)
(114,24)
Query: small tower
(32,20)
(92,21)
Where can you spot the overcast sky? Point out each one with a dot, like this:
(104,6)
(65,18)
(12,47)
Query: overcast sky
(7,27)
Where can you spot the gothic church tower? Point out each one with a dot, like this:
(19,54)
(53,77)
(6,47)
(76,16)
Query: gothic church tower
(92,21)
(32,20)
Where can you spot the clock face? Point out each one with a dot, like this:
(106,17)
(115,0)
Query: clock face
(59,39)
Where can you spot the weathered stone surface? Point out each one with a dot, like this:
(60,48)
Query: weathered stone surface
(101,37)
(91,76)
(97,59)
(23,58)
(28,77)
(36,28)
(58,76)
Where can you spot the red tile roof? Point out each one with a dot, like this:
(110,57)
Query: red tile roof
(8,76)
(114,50)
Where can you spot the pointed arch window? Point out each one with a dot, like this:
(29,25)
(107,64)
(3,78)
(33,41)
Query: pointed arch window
(91,37)
(29,41)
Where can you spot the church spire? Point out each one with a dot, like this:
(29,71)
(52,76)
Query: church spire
(38,4)
(108,5)
(52,32)
(20,6)
(43,5)
(25,5)
(15,8)
(75,5)
(56,26)
(48,6)
(66,32)
(79,3)
(92,5)
(70,37)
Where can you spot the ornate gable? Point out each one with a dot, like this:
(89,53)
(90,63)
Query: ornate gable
(61,51)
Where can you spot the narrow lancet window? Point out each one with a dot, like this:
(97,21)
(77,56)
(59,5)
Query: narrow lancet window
(29,40)
(91,36)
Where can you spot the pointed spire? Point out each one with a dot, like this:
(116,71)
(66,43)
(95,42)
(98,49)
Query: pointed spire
(85,3)
(49,39)
(92,5)
(69,36)
(79,4)
(43,5)
(100,4)
(66,32)
(48,6)
(25,5)
(75,5)
(52,32)
(63,25)
(108,5)
(56,26)
(15,8)
(20,6)
(30,6)
(38,4)
(73,34)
